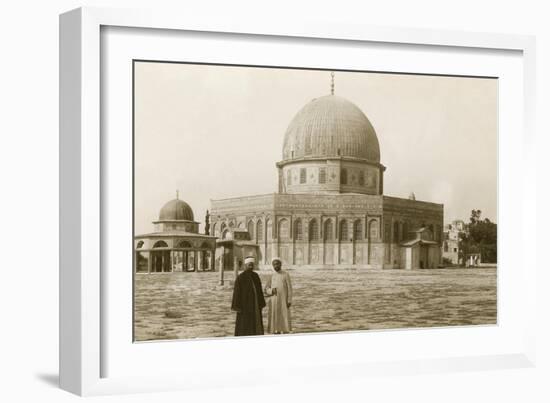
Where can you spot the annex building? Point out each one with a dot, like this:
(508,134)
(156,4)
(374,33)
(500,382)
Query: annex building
(330,209)
(176,244)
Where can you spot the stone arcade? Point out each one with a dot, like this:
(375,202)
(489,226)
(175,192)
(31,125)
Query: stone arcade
(330,210)
(176,244)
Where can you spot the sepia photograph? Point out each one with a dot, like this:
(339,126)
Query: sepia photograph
(270,200)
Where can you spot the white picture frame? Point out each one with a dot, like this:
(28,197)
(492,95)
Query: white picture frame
(83,308)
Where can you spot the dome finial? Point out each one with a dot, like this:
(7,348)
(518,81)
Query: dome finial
(332,83)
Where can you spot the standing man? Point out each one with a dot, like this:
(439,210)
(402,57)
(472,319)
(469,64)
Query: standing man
(248,301)
(279,288)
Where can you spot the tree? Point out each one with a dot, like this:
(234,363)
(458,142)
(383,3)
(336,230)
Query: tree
(481,237)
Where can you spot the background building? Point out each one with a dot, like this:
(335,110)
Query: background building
(330,210)
(451,241)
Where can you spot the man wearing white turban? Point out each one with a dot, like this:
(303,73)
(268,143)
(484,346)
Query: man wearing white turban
(248,301)
(279,290)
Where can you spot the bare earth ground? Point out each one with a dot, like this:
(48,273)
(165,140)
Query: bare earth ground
(190,305)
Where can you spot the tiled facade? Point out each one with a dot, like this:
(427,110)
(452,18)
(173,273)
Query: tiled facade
(347,230)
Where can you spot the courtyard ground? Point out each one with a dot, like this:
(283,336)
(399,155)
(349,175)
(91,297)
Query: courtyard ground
(191,305)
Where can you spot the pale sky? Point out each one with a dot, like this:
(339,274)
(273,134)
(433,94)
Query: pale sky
(214,132)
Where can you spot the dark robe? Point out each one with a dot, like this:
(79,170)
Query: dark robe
(248,302)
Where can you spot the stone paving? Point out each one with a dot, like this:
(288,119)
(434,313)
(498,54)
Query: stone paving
(192,305)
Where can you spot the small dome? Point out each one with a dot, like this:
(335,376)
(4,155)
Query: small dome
(331,126)
(176,210)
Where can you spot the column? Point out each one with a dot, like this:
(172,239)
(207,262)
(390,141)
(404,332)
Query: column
(199,260)
(222,268)
(213,260)
(162,262)
(149,262)
(171,261)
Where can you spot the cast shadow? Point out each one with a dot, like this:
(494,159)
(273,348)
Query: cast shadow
(50,379)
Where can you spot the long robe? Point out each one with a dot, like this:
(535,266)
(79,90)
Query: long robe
(278,316)
(248,302)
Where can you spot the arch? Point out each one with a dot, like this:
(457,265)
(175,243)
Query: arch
(223,227)
(215,229)
(373,229)
(358,230)
(250,229)
(260,230)
(160,244)
(283,230)
(231,224)
(313,231)
(344,230)
(184,244)
(139,245)
(298,230)
(328,230)
(226,234)
(240,225)
(344,176)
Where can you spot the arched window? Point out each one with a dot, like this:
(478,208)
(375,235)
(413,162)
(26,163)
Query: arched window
(184,244)
(268,229)
(361,178)
(226,234)
(298,230)
(260,230)
(373,229)
(284,230)
(329,230)
(396,232)
(322,175)
(215,229)
(357,230)
(139,244)
(344,176)
(405,234)
(231,224)
(222,228)
(160,244)
(313,230)
(250,228)
(241,225)
(343,230)
(303,174)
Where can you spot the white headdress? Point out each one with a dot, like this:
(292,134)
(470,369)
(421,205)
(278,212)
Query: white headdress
(276,259)
(249,259)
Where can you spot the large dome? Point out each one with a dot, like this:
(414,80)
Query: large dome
(176,210)
(331,126)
